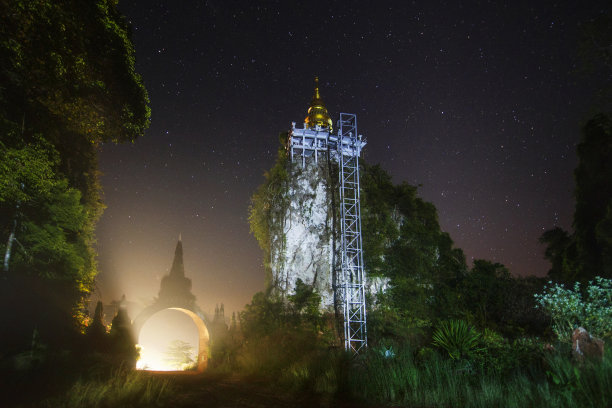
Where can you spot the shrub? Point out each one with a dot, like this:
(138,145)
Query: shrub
(497,355)
(456,337)
(568,310)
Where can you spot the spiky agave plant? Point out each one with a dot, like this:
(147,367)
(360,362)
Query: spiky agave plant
(456,337)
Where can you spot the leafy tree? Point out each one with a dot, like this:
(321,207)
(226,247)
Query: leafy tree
(483,290)
(43,224)
(561,252)
(593,196)
(491,298)
(181,355)
(67,84)
(587,252)
(402,239)
(305,303)
(121,338)
(596,56)
(262,316)
(96,331)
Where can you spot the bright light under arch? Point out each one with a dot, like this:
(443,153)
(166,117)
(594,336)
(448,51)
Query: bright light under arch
(161,333)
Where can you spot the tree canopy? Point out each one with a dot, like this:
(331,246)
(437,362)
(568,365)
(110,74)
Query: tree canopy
(588,251)
(68,83)
(402,240)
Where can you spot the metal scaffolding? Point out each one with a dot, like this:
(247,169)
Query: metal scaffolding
(307,142)
(349,145)
(346,149)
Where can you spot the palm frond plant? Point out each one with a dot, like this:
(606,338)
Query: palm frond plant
(455,337)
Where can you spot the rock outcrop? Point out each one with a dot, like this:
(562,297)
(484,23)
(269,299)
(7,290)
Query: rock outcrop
(305,248)
(585,346)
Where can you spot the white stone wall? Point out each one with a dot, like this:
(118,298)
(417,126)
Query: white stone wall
(306,250)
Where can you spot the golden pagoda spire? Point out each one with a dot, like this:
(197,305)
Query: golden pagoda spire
(317,112)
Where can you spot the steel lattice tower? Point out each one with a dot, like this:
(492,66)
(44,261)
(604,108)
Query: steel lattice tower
(352,282)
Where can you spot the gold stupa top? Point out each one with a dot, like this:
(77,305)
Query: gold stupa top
(317,112)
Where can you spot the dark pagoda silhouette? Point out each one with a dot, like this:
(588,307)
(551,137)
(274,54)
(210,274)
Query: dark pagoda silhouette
(175,293)
(175,289)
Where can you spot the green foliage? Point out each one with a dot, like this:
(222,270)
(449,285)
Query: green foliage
(568,309)
(455,337)
(48,215)
(71,62)
(288,343)
(402,240)
(587,385)
(593,195)
(263,315)
(496,355)
(266,313)
(434,381)
(483,291)
(52,234)
(26,174)
(121,340)
(305,303)
(68,84)
(386,323)
(97,337)
(268,204)
(561,252)
(491,298)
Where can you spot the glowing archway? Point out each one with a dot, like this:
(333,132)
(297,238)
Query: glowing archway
(203,335)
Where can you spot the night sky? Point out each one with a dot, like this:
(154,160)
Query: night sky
(478,102)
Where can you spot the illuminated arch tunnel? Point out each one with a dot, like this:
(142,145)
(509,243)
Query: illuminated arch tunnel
(202,332)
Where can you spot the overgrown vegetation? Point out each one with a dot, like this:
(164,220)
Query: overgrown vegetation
(410,380)
(268,205)
(123,388)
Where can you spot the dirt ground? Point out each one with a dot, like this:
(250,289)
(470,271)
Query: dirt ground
(198,390)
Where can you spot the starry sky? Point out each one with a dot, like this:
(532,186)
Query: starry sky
(480,103)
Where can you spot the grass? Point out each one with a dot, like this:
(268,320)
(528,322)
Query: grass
(442,382)
(124,388)
(293,363)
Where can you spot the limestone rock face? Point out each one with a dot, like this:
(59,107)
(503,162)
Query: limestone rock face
(305,248)
(305,239)
(377,285)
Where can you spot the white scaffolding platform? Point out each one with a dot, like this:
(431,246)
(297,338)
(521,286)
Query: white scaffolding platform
(307,142)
